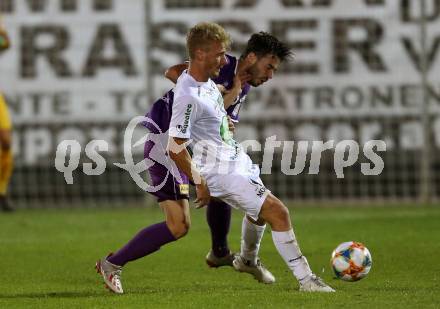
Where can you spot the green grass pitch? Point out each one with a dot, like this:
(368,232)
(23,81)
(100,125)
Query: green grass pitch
(47,259)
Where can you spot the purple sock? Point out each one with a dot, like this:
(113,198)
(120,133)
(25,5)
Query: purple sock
(147,241)
(218,215)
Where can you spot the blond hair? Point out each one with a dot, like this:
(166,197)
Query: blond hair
(203,34)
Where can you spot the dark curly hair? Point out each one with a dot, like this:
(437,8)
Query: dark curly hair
(263,43)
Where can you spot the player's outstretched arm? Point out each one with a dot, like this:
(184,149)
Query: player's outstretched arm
(173,72)
(178,153)
(231,95)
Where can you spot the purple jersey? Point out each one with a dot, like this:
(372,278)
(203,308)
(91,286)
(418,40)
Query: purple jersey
(160,113)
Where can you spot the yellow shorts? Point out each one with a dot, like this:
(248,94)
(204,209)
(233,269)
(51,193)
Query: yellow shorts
(5,120)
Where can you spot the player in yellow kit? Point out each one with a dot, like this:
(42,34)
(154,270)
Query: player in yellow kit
(6,158)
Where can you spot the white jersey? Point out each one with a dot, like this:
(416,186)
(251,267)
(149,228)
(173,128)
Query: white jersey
(199,114)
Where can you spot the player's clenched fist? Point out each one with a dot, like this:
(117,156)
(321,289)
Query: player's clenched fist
(203,195)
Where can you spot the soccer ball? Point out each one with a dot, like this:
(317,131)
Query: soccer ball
(351,261)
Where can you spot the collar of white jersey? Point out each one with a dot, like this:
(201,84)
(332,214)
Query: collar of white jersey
(194,80)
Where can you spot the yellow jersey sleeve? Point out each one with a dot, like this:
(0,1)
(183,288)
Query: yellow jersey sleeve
(5,120)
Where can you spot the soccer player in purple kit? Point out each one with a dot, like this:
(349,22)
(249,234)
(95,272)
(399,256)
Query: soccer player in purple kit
(257,65)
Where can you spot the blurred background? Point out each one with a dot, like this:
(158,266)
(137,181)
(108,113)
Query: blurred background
(363,70)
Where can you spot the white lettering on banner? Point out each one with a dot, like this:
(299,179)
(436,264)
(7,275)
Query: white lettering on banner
(69,107)
(35,145)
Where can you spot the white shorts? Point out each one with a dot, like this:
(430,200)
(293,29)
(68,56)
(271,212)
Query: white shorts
(241,189)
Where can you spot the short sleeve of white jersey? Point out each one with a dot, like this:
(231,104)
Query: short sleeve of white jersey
(182,117)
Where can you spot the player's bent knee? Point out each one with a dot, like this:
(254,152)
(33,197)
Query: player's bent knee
(281,212)
(179,228)
(284,211)
(186,227)
(181,231)
(177,217)
(276,213)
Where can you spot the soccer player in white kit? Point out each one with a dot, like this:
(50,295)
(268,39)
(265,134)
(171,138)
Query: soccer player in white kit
(220,168)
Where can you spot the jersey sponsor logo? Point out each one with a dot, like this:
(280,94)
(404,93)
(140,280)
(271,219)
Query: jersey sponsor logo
(182,128)
(225,134)
(237,150)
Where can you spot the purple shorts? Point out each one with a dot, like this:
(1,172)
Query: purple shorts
(172,189)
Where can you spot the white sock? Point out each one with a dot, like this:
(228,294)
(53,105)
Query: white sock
(251,235)
(288,248)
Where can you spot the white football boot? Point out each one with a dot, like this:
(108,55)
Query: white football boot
(111,274)
(258,270)
(315,284)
